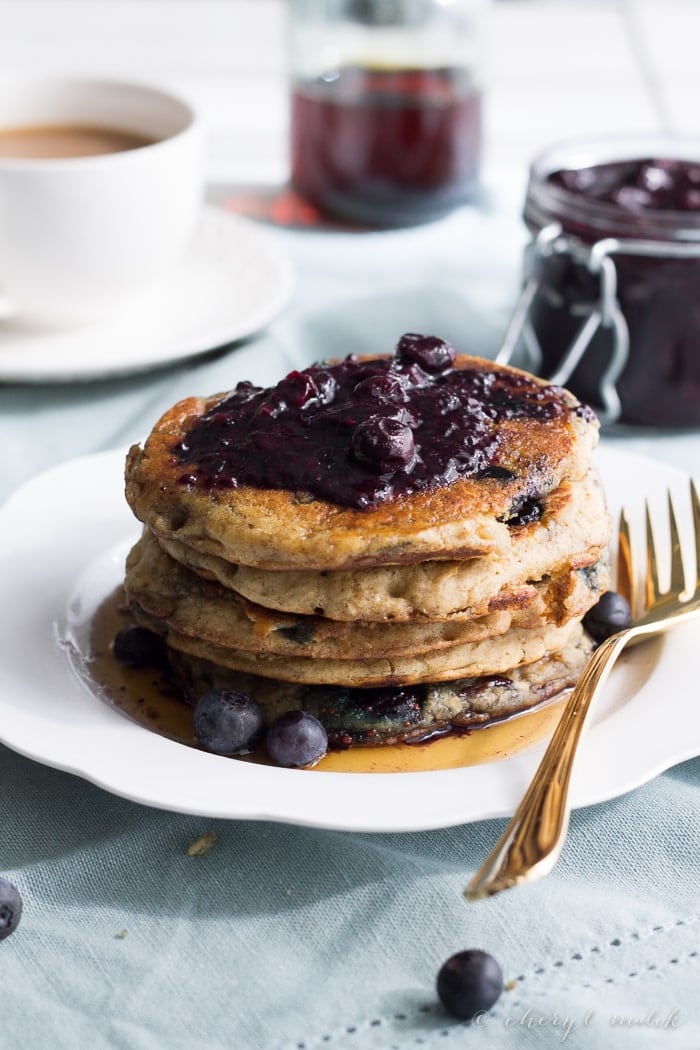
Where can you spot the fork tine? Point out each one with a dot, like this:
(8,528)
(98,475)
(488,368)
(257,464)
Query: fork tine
(677,583)
(651,575)
(626,579)
(695,504)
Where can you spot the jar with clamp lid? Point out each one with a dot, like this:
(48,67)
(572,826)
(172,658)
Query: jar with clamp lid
(386,106)
(610,305)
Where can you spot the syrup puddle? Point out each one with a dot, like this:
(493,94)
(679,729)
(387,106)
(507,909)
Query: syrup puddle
(146,697)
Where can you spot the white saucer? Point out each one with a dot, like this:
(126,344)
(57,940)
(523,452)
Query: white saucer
(232,282)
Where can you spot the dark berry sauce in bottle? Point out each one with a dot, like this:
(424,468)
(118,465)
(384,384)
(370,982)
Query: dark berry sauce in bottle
(386,147)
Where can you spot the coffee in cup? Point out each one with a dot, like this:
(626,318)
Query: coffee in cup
(100,190)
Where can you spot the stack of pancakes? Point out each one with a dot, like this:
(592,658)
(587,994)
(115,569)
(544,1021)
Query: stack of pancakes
(426,613)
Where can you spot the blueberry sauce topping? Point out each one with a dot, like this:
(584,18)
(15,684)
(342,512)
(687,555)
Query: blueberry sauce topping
(359,432)
(636,186)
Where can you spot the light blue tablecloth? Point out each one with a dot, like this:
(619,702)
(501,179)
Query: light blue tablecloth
(283,937)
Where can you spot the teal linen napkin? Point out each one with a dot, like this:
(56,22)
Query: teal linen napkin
(288,938)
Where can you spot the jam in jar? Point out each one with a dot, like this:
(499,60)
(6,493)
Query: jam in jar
(611,302)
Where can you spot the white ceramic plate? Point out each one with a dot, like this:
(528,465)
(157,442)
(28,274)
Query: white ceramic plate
(63,537)
(232,282)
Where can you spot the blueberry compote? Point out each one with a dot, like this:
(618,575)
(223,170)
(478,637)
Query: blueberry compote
(636,186)
(359,432)
(644,197)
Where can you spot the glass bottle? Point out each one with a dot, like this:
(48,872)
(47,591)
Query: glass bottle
(611,298)
(386,106)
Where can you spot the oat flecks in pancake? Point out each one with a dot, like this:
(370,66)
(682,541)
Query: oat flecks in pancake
(180,601)
(572,534)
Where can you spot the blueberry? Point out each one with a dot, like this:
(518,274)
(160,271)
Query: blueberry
(138,647)
(526,512)
(227,722)
(633,199)
(384,443)
(296,739)
(469,983)
(654,179)
(10,908)
(309,390)
(385,387)
(689,200)
(498,473)
(610,615)
(432,354)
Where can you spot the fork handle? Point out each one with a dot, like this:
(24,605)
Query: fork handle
(532,841)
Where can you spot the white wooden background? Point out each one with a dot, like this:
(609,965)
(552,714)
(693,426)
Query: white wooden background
(555,68)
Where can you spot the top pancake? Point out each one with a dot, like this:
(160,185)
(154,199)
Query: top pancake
(286,529)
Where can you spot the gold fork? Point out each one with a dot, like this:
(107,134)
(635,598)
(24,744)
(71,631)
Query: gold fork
(532,841)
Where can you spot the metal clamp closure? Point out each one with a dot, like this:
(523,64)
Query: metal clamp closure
(605,312)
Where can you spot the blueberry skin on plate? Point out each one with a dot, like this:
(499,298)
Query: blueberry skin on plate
(10,908)
(296,739)
(227,722)
(469,983)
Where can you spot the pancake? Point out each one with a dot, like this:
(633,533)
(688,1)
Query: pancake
(488,656)
(515,444)
(403,546)
(385,716)
(573,533)
(178,600)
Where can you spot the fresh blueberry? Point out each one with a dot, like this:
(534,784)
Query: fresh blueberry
(296,739)
(469,983)
(611,614)
(10,908)
(384,443)
(432,354)
(138,647)
(227,722)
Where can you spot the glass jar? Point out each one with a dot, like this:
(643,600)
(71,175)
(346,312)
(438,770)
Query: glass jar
(611,297)
(386,106)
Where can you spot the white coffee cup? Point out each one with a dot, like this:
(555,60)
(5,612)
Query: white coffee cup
(82,235)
